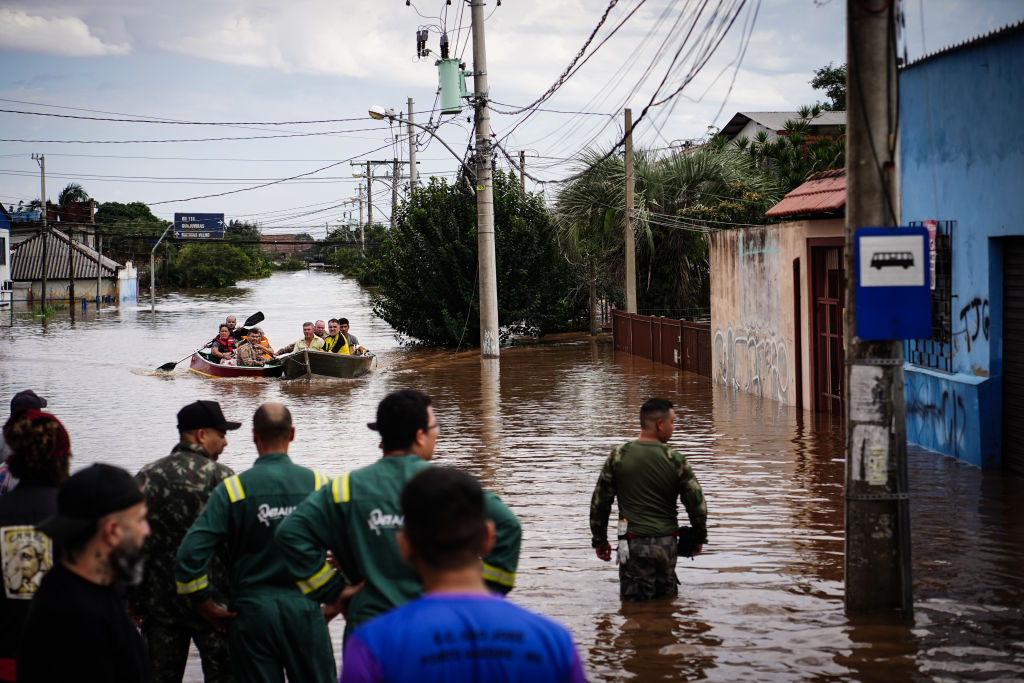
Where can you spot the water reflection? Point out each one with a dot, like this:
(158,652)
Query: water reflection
(764,601)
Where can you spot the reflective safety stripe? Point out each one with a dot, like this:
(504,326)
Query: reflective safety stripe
(496,575)
(321,479)
(340,489)
(234,488)
(193,586)
(317,580)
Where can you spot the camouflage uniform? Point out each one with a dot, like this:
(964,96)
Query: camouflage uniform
(177,487)
(249,354)
(647,477)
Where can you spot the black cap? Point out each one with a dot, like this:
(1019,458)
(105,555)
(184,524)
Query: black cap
(87,496)
(27,400)
(204,415)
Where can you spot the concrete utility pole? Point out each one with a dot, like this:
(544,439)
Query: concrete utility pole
(394,192)
(878,568)
(412,149)
(489,346)
(41,160)
(99,266)
(522,170)
(71,273)
(630,245)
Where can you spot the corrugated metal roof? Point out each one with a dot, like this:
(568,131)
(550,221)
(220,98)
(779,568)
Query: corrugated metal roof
(1007,30)
(824,192)
(27,259)
(776,120)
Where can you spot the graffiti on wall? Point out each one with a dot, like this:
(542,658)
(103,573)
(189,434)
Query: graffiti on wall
(751,362)
(974,317)
(937,417)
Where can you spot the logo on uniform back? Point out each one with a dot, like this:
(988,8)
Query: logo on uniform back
(268,513)
(378,519)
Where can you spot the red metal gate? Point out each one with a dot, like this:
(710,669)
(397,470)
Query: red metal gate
(681,344)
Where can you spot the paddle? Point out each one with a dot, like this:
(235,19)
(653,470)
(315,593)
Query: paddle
(250,321)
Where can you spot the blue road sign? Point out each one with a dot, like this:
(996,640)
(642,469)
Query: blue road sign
(893,283)
(199,225)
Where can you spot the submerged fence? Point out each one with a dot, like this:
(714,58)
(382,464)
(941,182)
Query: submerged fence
(681,344)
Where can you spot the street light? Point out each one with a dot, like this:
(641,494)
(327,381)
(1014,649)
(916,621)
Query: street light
(379,113)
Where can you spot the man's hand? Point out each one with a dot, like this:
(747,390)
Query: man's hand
(340,606)
(604,551)
(217,615)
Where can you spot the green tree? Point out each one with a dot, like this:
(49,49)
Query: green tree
(427,267)
(211,265)
(128,230)
(833,81)
(72,192)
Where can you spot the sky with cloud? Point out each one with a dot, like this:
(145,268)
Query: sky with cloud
(255,64)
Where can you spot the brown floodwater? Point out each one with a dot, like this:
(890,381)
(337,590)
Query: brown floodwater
(764,602)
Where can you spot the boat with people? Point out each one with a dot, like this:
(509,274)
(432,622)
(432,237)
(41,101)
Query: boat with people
(309,362)
(204,364)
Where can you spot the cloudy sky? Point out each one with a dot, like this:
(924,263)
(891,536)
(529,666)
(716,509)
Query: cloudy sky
(257,64)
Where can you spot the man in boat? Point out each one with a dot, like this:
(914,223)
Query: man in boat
(78,627)
(320,329)
(222,347)
(176,488)
(445,531)
(353,342)
(236,332)
(308,341)
(335,342)
(647,477)
(356,517)
(249,351)
(271,627)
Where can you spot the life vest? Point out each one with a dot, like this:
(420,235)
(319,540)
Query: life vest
(229,342)
(336,344)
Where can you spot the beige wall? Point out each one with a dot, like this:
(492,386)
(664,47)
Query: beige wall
(58,289)
(753,320)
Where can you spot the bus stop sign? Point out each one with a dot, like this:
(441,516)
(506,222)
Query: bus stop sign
(893,283)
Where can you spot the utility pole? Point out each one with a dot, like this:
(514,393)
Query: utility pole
(630,246)
(878,569)
(41,160)
(522,170)
(489,347)
(394,192)
(99,265)
(412,150)
(71,273)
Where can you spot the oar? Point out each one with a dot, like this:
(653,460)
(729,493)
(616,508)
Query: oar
(249,322)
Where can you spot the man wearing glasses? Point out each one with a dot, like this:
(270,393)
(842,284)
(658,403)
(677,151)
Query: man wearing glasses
(356,518)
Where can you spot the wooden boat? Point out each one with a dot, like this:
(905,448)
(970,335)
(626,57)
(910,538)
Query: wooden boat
(327,364)
(203,364)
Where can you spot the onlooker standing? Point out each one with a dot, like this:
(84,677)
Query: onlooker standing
(176,488)
(78,627)
(357,516)
(271,626)
(458,630)
(647,476)
(40,459)
(23,400)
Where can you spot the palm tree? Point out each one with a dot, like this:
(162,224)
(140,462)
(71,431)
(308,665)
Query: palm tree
(72,192)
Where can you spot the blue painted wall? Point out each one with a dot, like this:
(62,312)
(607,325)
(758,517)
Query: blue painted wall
(962,159)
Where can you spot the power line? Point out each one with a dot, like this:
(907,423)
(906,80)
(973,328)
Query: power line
(220,139)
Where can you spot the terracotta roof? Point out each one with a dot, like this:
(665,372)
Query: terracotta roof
(824,192)
(27,259)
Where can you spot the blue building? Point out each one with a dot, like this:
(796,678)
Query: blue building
(962,175)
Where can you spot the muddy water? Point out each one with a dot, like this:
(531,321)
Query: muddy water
(765,600)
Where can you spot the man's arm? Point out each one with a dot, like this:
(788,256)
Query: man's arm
(286,349)
(303,539)
(501,563)
(601,507)
(692,498)
(197,548)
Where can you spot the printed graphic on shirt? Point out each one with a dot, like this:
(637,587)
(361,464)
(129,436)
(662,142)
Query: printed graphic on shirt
(378,519)
(269,513)
(27,554)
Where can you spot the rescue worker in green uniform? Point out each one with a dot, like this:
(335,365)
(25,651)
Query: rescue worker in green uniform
(647,477)
(271,627)
(356,518)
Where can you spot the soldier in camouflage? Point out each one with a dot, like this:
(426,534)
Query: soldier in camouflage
(647,476)
(176,488)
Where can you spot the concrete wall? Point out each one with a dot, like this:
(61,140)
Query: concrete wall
(753,320)
(962,158)
(58,289)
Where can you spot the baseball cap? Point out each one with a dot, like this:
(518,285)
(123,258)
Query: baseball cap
(88,495)
(204,415)
(27,400)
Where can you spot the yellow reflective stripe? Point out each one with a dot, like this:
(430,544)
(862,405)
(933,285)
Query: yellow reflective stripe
(234,488)
(193,586)
(321,479)
(317,580)
(339,489)
(496,575)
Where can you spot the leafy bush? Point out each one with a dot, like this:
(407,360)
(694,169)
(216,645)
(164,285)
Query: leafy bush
(213,265)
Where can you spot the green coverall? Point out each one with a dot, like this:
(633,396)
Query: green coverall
(356,518)
(276,627)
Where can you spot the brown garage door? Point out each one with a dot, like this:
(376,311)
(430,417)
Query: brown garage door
(1013,363)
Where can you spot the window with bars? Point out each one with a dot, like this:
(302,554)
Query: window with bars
(936,352)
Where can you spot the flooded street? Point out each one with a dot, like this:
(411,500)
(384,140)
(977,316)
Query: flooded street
(765,600)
